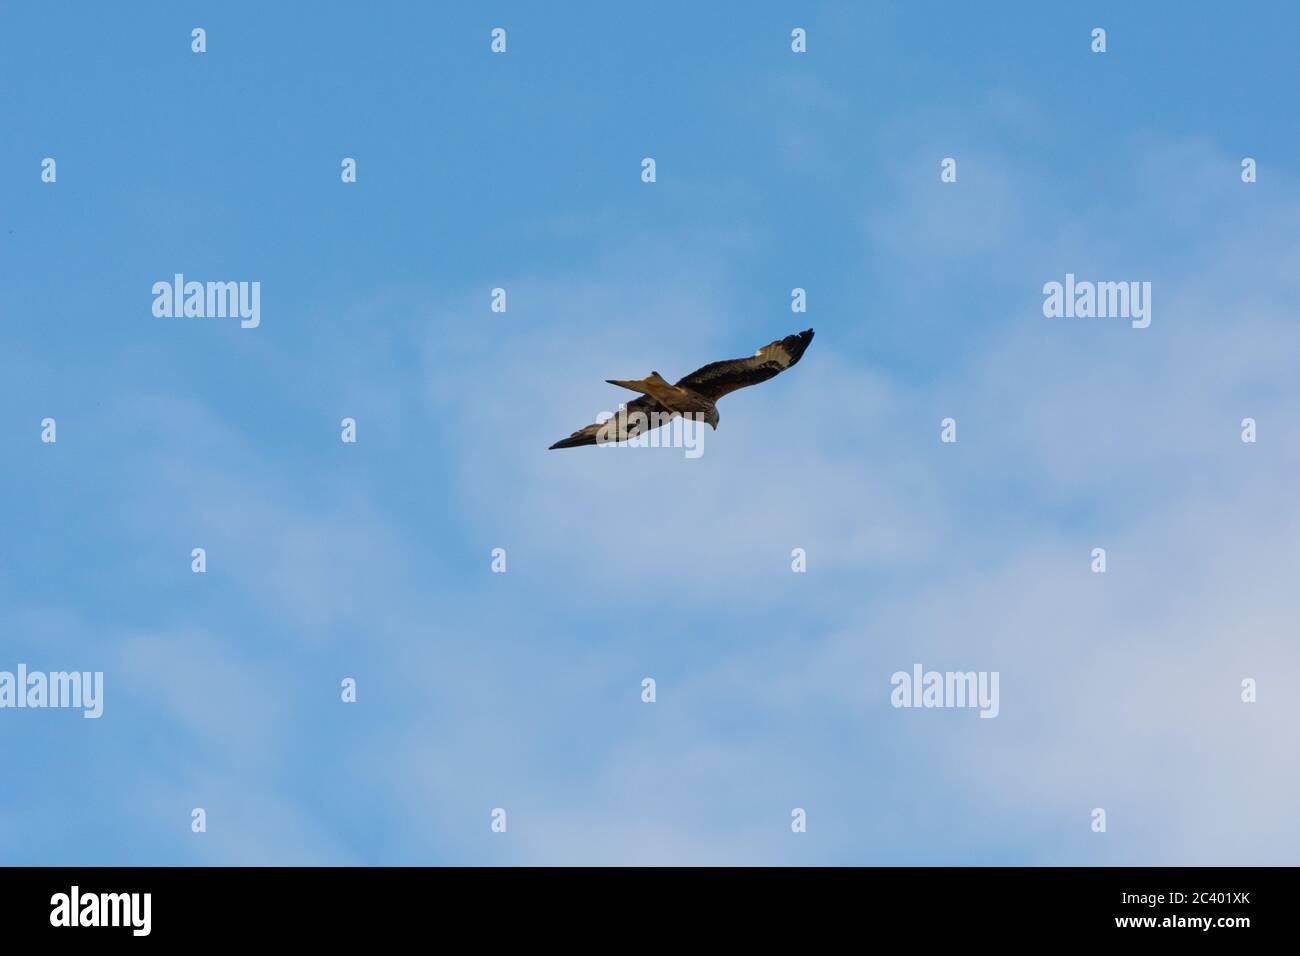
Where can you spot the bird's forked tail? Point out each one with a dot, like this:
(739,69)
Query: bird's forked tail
(646,386)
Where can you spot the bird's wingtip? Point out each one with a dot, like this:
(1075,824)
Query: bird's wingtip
(573,441)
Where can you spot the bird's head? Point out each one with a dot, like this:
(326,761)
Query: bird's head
(712,417)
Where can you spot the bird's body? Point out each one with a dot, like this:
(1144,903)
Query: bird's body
(695,396)
(674,398)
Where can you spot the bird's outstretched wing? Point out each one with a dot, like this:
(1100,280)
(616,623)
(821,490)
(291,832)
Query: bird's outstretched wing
(625,426)
(720,378)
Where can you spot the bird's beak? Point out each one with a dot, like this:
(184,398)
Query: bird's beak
(713,425)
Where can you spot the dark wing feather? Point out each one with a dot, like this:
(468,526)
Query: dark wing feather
(635,425)
(720,378)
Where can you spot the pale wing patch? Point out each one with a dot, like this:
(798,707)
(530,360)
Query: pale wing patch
(774,352)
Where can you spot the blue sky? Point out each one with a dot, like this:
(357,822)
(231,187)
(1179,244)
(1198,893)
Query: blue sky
(523,690)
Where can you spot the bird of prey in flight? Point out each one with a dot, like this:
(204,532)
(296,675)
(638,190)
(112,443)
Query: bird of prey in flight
(695,396)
